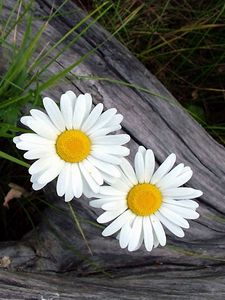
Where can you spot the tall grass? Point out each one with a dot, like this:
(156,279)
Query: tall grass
(182,43)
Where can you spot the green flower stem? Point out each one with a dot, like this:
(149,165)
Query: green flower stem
(13,159)
(76,221)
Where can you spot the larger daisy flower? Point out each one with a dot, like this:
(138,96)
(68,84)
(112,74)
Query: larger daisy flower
(142,202)
(72,142)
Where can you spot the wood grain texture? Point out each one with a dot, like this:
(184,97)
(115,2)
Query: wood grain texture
(192,267)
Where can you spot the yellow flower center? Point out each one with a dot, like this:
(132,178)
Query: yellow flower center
(144,199)
(73,146)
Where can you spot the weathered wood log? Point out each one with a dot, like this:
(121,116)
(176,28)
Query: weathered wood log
(184,269)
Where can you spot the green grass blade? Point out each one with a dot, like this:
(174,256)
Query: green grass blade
(62,73)
(13,159)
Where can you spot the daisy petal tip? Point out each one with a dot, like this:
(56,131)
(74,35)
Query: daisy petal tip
(148,249)
(182,235)
(91,203)
(196,216)
(46,101)
(69,92)
(196,204)
(173,156)
(100,105)
(100,220)
(24,120)
(128,138)
(163,243)
(60,194)
(40,180)
(30,171)
(200,193)
(104,232)
(16,139)
(68,198)
(128,152)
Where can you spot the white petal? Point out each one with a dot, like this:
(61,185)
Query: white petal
(148,234)
(184,212)
(196,194)
(173,217)
(178,181)
(63,180)
(164,168)
(105,130)
(108,178)
(128,171)
(142,150)
(16,139)
(111,159)
(135,234)
(79,112)
(141,239)
(39,152)
(69,190)
(158,229)
(34,178)
(115,205)
(118,223)
(122,185)
(155,239)
(51,173)
(109,216)
(69,195)
(24,120)
(110,191)
(33,138)
(67,109)
(103,119)
(181,193)
(42,164)
(176,230)
(54,113)
(116,120)
(88,105)
(125,235)
(93,171)
(115,150)
(25,146)
(37,186)
(92,118)
(87,191)
(166,180)
(139,167)
(43,129)
(77,183)
(105,167)
(40,116)
(72,97)
(184,203)
(118,139)
(149,165)
(98,203)
(91,182)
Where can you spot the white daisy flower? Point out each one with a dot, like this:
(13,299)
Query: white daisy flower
(141,202)
(72,142)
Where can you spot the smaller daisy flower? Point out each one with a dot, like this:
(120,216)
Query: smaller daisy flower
(72,143)
(142,202)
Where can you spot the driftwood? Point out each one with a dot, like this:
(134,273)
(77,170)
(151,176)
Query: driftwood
(54,262)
